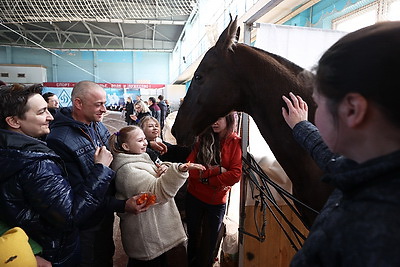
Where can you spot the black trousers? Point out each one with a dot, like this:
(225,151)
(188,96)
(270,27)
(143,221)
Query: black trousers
(203,224)
(175,257)
(97,244)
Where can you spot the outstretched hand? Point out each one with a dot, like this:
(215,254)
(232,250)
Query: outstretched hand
(161,169)
(297,110)
(159,146)
(184,167)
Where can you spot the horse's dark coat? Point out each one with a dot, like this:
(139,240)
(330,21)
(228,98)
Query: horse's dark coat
(234,76)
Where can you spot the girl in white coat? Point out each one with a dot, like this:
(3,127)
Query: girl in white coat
(155,237)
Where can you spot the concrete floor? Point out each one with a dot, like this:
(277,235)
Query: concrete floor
(120,258)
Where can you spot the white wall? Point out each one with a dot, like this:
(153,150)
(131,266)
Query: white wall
(28,73)
(173,93)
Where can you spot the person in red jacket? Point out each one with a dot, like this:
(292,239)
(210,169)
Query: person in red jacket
(219,149)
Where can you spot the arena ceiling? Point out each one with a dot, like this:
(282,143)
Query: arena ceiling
(147,25)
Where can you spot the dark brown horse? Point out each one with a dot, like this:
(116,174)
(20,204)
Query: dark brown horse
(235,76)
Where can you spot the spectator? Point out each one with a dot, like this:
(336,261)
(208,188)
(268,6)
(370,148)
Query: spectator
(156,237)
(138,98)
(219,149)
(163,108)
(53,103)
(34,193)
(129,110)
(359,120)
(168,107)
(157,148)
(76,133)
(154,109)
(141,110)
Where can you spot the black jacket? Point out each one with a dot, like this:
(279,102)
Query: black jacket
(76,143)
(163,107)
(35,196)
(129,111)
(360,223)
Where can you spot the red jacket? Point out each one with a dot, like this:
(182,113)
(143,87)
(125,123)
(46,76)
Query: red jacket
(216,191)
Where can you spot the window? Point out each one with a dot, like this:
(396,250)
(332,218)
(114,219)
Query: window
(379,10)
(357,19)
(21,75)
(393,12)
(4,74)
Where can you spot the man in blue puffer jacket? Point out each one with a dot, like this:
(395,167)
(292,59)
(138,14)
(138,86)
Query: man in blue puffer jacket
(75,134)
(34,193)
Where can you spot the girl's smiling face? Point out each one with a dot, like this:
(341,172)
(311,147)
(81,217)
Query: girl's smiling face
(151,129)
(136,143)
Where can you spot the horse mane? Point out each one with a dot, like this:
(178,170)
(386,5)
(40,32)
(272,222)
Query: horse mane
(281,60)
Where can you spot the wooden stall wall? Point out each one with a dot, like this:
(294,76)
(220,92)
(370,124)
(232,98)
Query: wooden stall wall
(276,250)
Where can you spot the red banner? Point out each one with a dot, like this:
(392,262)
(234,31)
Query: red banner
(111,85)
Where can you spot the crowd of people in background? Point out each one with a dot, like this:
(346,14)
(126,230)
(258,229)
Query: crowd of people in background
(134,111)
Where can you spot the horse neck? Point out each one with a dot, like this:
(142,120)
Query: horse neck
(265,82)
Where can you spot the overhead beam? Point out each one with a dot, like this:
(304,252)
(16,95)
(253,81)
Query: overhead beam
(90,33)
(122,35)
(58,30)
(142,21)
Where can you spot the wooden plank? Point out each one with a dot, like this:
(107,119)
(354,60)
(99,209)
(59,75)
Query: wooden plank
(276,250)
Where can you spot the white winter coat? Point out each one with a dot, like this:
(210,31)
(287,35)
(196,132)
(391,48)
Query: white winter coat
(151,233)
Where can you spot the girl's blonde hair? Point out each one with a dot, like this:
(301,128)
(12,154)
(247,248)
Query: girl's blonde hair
(143,106)
(147,118)
(118,138)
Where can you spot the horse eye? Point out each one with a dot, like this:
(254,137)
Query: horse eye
(197,77)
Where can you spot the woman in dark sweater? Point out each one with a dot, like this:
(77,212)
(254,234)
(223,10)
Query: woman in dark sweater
(358,118)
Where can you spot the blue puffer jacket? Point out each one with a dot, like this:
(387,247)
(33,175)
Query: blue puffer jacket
(35,196)
(360,223)
(76,142)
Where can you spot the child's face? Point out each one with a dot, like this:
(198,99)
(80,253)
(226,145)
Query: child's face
(151,129)
(219,126)
(136,143)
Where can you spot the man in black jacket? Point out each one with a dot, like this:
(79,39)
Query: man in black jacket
(163,107)
(75,134)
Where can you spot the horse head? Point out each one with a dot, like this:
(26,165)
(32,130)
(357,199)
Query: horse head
(209,89)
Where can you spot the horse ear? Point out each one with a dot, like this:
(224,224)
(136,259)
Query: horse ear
(237,34)
(229,37)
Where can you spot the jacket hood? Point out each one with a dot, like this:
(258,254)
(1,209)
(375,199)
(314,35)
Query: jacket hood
(17,151)
(140,161)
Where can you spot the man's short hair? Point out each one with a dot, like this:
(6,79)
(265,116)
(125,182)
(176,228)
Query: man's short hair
(82,88)
(47,95)
(152,99)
